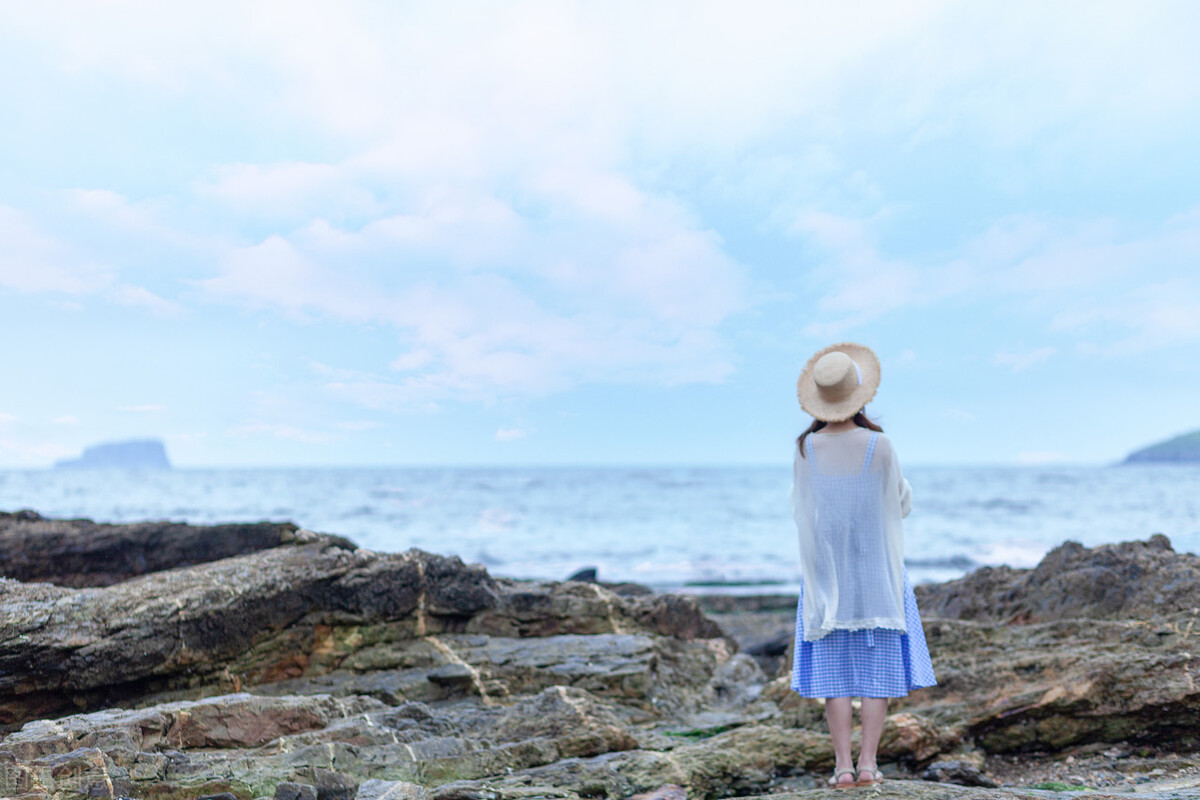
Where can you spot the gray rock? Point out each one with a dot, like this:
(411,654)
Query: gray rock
(376,789)
(956,771)
(82,553)
(295,791)
(1130,580)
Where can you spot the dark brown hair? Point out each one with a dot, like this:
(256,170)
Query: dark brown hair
(860,419)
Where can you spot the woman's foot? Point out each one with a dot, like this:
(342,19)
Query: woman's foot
(844,778)
(868,776)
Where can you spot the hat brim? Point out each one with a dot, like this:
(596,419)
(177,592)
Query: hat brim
(819,408)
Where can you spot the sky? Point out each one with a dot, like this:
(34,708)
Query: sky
(404,233)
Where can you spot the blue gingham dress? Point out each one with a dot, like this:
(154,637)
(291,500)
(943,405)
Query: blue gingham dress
(878,662)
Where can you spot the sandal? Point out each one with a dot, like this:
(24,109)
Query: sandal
(837,774)
(874,776)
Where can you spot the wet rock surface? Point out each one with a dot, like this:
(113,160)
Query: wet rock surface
(313,669)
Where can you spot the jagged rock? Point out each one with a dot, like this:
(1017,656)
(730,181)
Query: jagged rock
(229,721)
(669,791)
(270,615)
(737,763)
(550,608)
(322,742)
(79,552)
(907,735)
(350,674)
(376,789)
(1130,580)
(295,791)
(585,575)
(1058,684)
(957,771)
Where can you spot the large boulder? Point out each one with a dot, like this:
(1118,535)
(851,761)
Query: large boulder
(313,607)
(276,612)
(1130,580)
(79,552)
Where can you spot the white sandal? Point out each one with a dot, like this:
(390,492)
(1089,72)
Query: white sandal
(835,783)
(876,776)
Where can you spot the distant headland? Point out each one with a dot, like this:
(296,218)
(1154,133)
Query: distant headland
(131,454)
(1181,449)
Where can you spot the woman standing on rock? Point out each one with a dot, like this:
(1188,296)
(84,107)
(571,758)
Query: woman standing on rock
(858,633)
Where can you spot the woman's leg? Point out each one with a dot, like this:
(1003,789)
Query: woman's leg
(874,712)
(838,714)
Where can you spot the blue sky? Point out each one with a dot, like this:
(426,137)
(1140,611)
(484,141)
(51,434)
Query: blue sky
(532,232)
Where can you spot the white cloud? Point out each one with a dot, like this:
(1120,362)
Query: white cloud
(144,298)
(6,418)
(31,261)
(283,431)
(66,419)
(510,434)
(1149,317)
(33,454)
(1023,361)
(860,283)
(1135,288)
(288,190)
(626,289)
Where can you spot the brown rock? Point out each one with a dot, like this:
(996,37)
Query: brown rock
(1130,580)
(277,613)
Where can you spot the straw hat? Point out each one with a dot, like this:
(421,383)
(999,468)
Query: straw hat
(838,381)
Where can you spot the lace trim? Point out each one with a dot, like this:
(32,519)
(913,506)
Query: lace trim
(887,623)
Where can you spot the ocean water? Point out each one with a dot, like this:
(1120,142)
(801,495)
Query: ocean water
(672,528)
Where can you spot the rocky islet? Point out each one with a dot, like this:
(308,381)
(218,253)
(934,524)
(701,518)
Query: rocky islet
(283,663)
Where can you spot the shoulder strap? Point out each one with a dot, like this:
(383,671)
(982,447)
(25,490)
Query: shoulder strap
(812,450)
(870,452)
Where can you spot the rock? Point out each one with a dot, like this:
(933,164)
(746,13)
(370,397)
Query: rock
(225,722)
(295,791)
(907,735)
(719,604)
(1054,685)
(247,744)
(954,771)
(242,621)
(376,789)
(585,575)
(550,608)
(1130,580)
(333,785)
(82,553)
(341,673)
(670,791)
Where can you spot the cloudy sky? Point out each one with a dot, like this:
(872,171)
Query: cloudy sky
(304,233)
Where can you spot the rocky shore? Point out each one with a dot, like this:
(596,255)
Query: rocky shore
(172,661)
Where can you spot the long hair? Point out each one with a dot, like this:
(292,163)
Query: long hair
(860,419)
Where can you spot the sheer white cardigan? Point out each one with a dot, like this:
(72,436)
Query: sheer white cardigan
(848,517)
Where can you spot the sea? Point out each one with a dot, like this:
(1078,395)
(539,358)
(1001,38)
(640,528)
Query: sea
(691,529)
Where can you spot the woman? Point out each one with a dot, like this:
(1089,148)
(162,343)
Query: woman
(858,633)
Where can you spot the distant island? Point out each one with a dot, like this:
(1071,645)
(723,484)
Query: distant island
(1181,449)
(131,454)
